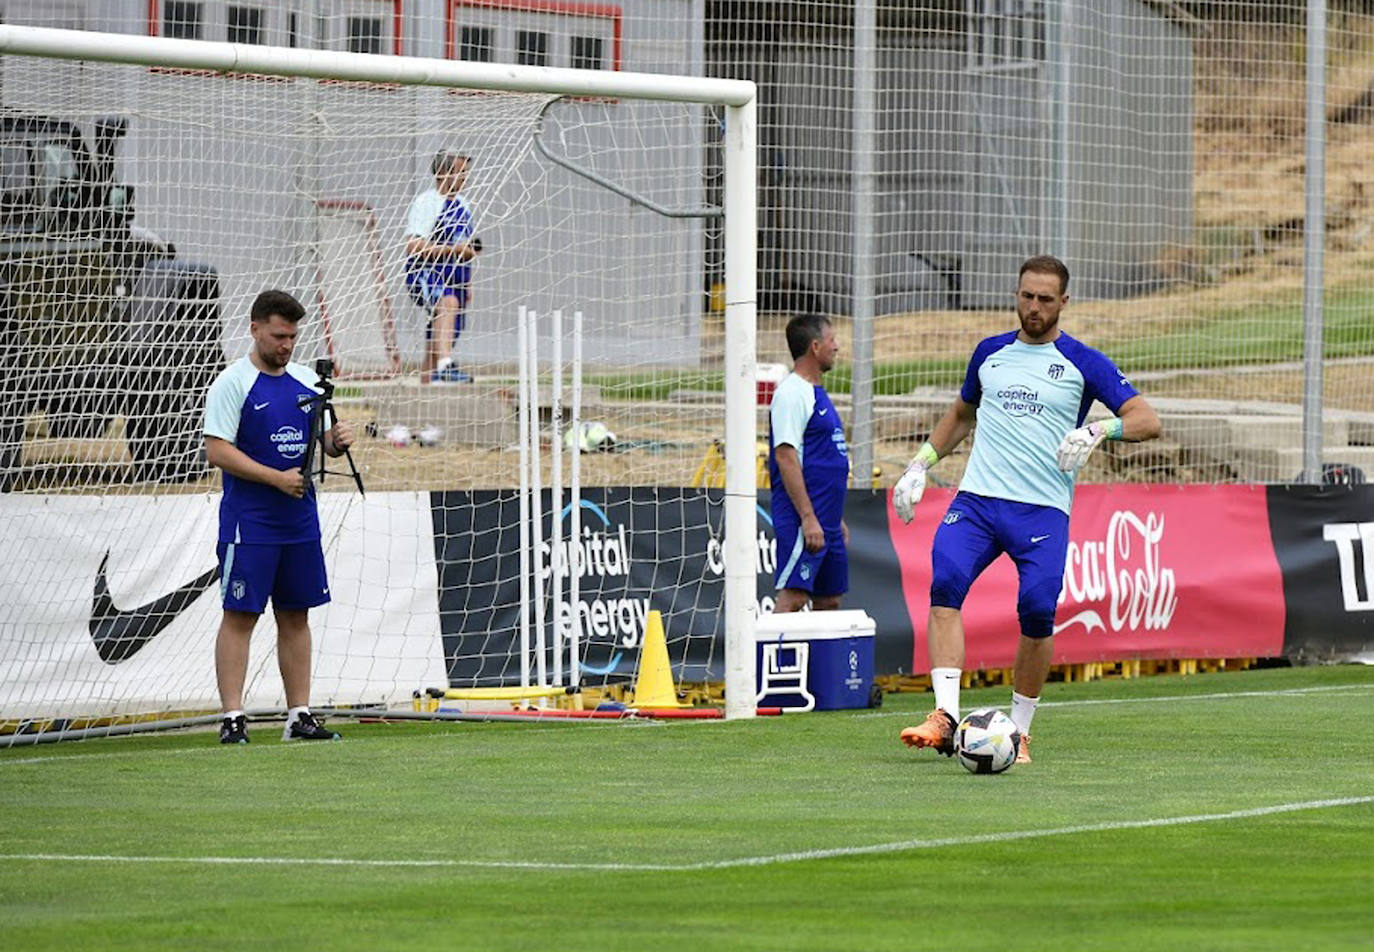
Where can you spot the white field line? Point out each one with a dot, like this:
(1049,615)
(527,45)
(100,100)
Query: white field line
(899,846)
(268,730)
(1218,696)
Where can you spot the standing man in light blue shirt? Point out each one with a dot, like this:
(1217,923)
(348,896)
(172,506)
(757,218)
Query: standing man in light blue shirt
(808,466)
(440,246)
(1029,393)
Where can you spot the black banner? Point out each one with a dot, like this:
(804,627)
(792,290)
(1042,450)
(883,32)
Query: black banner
(1324,541)
(640,549)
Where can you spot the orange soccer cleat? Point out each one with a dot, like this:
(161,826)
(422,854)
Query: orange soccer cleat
(1023,750)
(936,731)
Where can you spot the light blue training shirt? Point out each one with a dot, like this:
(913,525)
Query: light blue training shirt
(1029,396)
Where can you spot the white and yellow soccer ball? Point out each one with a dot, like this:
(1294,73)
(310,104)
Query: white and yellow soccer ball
(590,436)
(986,741)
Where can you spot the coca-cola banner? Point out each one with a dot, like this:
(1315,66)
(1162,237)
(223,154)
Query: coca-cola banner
(1324,539)
(1152,572)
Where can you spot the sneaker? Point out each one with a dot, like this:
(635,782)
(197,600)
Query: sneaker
(233,730)
(449,375)
(1023,750)
(306,726)
(937,731)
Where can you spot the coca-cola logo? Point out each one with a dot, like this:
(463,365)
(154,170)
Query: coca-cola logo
(1122,570)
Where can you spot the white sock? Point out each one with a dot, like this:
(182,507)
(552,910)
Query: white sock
(229,714)
(296,712)
(1023,711)
(945,681)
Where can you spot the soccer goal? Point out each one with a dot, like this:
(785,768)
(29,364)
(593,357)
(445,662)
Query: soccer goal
(152,187)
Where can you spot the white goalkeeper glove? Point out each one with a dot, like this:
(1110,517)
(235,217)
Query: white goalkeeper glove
(912,485)
(1078,444)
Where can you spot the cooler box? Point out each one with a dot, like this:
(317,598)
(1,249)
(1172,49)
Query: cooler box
(814,660)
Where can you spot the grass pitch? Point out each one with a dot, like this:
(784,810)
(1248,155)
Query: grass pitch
(1225,811)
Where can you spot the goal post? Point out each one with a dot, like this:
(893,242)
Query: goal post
(362,76)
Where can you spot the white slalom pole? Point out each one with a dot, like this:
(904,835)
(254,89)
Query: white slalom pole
(523,425)
(536,505)
(556,561)
(575,516)
(741,485)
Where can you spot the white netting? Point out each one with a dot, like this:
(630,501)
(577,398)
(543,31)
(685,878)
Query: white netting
(1160,147)
(116,323)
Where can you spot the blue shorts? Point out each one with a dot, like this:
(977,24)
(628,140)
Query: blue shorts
(427,292)
(292,575)
(977,529)
(821,573)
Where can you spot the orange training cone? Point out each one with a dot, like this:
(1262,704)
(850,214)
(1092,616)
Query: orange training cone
(654,683)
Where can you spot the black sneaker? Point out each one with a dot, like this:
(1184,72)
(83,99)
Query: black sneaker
(307,727)
(233,730)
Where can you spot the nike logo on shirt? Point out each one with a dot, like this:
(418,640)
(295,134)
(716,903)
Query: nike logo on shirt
(823,412)
(1039,538)
(259,406)
(119,634)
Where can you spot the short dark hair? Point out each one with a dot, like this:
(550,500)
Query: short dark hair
(276,302)
(802,330)
(444,160)
(1047,264)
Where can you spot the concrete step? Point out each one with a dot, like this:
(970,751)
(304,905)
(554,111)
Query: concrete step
(1283,465)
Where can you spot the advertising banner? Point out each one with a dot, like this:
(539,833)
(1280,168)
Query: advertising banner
(111,604)
(1324,539)
(1152,572)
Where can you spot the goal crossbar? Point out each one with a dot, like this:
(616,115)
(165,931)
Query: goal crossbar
(367,67)
(740,227)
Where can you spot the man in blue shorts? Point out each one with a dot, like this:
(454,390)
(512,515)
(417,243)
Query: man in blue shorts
(1029,391)
(808,464)
(256,431)
(440,247)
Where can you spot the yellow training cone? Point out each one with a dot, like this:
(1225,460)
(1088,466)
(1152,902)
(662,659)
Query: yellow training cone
(654,683)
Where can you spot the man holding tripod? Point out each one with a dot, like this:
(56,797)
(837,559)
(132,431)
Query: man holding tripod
(258,416)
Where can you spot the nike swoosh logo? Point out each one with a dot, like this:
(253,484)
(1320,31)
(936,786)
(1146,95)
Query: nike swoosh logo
(1039,538)
(259,406)
(119,634)
(823,412)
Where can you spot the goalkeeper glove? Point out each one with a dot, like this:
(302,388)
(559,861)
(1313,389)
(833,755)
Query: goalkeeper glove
(912,485)
(1073,451)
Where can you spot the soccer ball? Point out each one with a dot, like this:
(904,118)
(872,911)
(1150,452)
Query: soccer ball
(430,436)
(589,437)
(986,741)
(398,436)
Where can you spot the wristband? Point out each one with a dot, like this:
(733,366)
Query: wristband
(927,455)
(1114,428)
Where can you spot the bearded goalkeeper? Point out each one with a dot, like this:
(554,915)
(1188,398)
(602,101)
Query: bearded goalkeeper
(1029,392)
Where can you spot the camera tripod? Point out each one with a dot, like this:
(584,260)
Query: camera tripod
(322,417)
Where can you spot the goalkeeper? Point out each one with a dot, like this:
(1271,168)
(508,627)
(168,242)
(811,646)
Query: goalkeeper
(1029,392)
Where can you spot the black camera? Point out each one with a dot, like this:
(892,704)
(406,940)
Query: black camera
(324,367)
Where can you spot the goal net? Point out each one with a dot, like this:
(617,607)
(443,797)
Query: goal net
(147,202)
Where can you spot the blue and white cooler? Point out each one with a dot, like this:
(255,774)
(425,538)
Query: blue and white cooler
(820,661)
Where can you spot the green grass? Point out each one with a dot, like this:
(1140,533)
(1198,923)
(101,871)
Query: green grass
(589,806)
